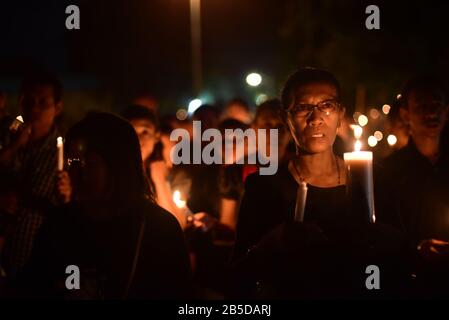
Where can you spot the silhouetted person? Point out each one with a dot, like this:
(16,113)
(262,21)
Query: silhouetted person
(125,246)
(416,178)
(31,152)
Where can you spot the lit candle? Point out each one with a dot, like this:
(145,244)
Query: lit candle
(181,204)
(359,166)
(15,125)
(60,147)
(301,197)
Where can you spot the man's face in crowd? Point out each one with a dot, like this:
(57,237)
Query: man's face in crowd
(39,107)
(426,113)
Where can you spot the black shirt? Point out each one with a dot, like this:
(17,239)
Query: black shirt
(420,192)
(270,200)
(104,252)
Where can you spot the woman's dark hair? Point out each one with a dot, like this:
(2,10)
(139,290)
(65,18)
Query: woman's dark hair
(272,106)
(303,77)
(134,112)
(115,140)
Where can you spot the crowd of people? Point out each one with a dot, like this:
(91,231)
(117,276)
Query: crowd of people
(139,226)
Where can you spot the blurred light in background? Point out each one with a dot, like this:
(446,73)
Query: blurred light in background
(399,96)
(358,130)
(181,114)
(378,135)
(254,79)
(261,98)
(386,109)
(193,105)
(372,141)
(374,113)
(362,120)
(392,139)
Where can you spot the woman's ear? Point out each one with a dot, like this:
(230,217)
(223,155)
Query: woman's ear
(341,116)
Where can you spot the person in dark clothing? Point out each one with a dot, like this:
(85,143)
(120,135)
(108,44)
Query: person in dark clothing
(146,124)
(30,151)
(415,179)
(325,254)
(125,246)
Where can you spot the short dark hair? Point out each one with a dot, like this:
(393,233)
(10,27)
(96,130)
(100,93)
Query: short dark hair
(37,78)
(134,112)
(238,101)
(306,76)
(424,82)
(273,106)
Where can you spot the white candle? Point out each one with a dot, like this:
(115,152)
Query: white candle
(359,166)
(301,197)
(60,147)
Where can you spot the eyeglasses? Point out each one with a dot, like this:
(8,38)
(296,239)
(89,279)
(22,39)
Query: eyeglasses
(327,107)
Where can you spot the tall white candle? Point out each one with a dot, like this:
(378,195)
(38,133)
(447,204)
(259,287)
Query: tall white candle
(359,166)
(60,147)
(301,197)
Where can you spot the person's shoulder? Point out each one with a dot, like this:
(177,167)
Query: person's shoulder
(159,217)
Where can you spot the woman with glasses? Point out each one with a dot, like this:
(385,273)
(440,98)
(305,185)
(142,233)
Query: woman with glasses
(270,244)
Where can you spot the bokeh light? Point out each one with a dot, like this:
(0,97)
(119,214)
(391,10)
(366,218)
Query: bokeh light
(254,79)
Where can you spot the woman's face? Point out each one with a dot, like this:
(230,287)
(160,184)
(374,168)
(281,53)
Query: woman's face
(88,174)
(314,129)
(147,134)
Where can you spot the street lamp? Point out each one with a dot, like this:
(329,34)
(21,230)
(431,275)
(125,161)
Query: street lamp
(253,79)
(195,36)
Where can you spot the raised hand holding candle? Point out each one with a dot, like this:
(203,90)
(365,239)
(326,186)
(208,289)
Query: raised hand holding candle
(60,147)
(359,166)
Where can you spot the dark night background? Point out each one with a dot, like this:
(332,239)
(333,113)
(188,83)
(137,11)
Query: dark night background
(128,47)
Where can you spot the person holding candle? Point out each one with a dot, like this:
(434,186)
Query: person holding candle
(306,243)
(32,153)
(125,246)
(415,179)
(146,124)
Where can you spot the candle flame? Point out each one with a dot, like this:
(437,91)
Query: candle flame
(177,199)
(357,146)
(358,131)
(59,142)
(19,118)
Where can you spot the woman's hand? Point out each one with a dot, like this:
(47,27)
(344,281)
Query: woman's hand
(23,136)
(433,249)
(203,221)
(64,186)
